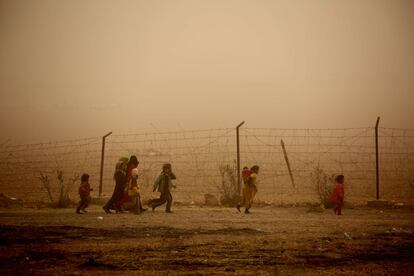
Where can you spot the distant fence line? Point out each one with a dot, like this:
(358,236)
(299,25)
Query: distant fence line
(197,155)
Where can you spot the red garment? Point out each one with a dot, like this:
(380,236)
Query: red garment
(337,197)
(129,171)
(246,174)
(126,198)
(84,189)
(338,193)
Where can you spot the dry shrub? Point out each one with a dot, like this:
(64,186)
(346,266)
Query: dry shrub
(46,184)
(324,184)
(64,200)
(229,190)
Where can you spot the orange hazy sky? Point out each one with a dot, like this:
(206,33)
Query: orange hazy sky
(71,69)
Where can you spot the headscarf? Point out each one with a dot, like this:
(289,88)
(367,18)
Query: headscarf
(118,166)
(133,160)
(123,159)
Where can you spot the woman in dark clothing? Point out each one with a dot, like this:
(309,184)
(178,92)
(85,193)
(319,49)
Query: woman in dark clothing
(120,177)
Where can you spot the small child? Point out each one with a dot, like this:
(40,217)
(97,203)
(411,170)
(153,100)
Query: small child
(337,195)
(164,185)
(134,204)
(246,174)
(249,188)
(84,193)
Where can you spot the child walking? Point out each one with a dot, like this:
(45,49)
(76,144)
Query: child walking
(249,188)
(337,195)
(133,204)
(84,193)
(164,185)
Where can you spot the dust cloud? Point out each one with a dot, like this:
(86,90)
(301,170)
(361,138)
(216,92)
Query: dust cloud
(71,69)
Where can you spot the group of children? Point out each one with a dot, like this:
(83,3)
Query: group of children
(126,195)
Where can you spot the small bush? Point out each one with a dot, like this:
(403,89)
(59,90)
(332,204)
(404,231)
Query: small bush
(324,185)
(229,190)
(46,184)
(64,200)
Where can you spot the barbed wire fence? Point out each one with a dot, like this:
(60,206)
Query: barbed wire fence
(197,155)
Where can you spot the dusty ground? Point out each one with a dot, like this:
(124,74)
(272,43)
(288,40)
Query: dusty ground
(197,240)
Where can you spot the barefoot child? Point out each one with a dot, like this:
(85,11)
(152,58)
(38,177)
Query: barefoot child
(84,193)
(337,195)
(164,185)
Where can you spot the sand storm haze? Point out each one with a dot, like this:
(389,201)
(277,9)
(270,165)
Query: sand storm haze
(72,69)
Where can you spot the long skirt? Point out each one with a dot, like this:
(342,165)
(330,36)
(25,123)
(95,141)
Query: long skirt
(133,205)
(249,191)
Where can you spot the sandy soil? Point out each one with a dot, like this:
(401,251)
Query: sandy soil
(207,241)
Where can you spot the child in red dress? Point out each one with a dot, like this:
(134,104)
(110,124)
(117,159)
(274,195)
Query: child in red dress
(337,195)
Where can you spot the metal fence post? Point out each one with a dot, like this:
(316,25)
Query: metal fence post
(287,162)
(376,156)
(102,162)
(238,157)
